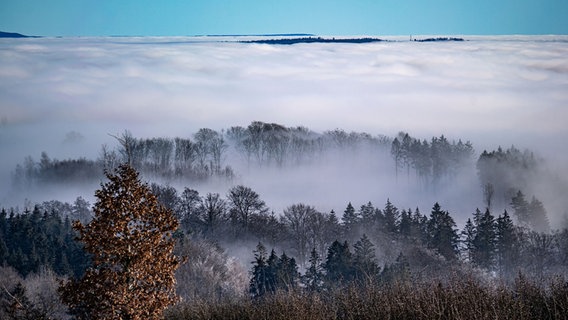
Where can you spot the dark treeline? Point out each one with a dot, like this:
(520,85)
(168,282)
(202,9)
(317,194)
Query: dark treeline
(303,250)
(491,242)
(431,161)
(263,144)
(36,239)
(290,41)
(503,244)
(503,172)
(48,171)
(439,39)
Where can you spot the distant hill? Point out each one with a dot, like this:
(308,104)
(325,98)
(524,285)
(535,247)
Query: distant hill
(289,41)
(12,35)
(263,35)
(438,39)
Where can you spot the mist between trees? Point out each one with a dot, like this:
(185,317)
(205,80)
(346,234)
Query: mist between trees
(239,248)
(292,164)
(304,250)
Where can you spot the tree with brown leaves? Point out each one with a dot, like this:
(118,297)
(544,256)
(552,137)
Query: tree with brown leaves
(131,244)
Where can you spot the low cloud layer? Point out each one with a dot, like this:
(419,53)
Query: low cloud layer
(491,90)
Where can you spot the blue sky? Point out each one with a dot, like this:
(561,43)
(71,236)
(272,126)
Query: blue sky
(323,17)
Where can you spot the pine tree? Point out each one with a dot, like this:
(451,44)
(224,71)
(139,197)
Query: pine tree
(419,226)
(131,243)
(350,217)
(367,213)
(287,275)
(391,215)
(442,233)
(313,278)
(405,224)
(260,274)
(339,263)
(506,242)
(468,233)
(397,271)
(364,260)
(484,241)
(521,208)
(538,217)
(271,274)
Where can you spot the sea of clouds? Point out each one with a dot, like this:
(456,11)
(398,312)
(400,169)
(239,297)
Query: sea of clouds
(66,95)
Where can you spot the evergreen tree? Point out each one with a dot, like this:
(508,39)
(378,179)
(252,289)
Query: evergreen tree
(313,278)
(419,226)
(505,244)
(538,218)
(391,216)
(405,225)
(521,208)
(131,242)
(364,260)
(271,274)
(367,213)
(350,218)
(287,275)
(339,263)
(469,233)
(397,271)
(442,233)
(261,277)
(484,241)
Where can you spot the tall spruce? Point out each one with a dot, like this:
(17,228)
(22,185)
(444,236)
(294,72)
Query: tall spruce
(506,244)
(365,264)
(261,280)
(484,241)
(339,263)
(442,233)
(313,278)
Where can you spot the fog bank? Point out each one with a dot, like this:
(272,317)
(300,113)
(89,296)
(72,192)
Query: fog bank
(65,95)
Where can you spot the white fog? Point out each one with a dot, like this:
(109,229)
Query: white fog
(65,96)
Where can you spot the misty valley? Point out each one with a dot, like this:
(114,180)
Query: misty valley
(284,177)
(240,249)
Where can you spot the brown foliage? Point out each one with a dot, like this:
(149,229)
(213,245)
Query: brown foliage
(457,298)
(131,243)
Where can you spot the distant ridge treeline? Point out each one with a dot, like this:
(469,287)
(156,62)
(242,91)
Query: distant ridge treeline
(289,41)
(12,35)
(438,39)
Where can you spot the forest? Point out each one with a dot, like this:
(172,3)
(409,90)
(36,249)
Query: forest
(290,41)
(362,260)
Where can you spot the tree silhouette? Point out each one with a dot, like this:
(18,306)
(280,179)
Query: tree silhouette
(131,243)
(442,232)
